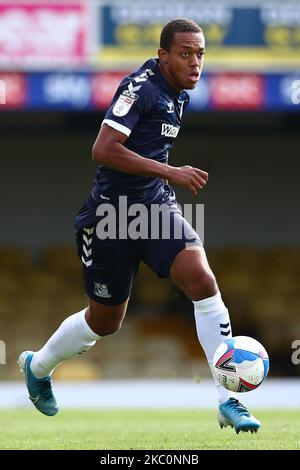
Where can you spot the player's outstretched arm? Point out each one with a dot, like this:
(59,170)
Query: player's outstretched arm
(109,150)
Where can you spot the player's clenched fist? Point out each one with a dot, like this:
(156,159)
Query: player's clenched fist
(191,178)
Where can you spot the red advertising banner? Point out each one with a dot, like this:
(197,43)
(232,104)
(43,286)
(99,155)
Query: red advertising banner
(104,86)
(39,34)
(237,91)
(15,90)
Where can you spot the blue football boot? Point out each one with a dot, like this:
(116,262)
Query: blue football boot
(40,390)
(233,413)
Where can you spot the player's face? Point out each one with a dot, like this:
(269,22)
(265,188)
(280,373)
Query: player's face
(184,62)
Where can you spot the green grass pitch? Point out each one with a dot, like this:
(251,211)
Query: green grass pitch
(143,429)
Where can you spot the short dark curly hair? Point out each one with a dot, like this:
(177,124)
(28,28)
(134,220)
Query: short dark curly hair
(179,25)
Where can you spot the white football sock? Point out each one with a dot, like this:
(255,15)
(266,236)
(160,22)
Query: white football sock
(73,336)
(213,327)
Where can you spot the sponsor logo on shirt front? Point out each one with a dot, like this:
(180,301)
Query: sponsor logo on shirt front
(169,131)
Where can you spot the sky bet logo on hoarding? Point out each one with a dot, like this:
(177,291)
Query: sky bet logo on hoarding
(295,92)
(290,90)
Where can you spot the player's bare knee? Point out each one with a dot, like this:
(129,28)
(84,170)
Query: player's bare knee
(106,330)
(201,286)
(104,326)
(105,320)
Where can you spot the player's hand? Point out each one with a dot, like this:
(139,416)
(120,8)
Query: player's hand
(189,177)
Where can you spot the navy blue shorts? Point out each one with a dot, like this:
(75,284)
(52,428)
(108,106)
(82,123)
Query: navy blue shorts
(110,265)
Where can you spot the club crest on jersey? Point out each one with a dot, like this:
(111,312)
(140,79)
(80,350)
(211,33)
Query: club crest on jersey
(123,105)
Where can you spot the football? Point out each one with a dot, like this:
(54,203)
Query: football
(240,364)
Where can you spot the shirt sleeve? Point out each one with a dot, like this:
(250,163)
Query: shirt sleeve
(130,103)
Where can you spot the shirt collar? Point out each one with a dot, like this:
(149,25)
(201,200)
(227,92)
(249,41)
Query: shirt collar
(165,83)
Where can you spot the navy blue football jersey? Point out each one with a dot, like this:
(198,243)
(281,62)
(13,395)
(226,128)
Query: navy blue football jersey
(149,112)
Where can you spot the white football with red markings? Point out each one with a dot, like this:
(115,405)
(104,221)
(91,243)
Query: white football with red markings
(241,364)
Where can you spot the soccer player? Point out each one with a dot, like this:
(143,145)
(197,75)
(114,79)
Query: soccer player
(132,149)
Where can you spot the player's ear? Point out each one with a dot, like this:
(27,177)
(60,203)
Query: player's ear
(163,56)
